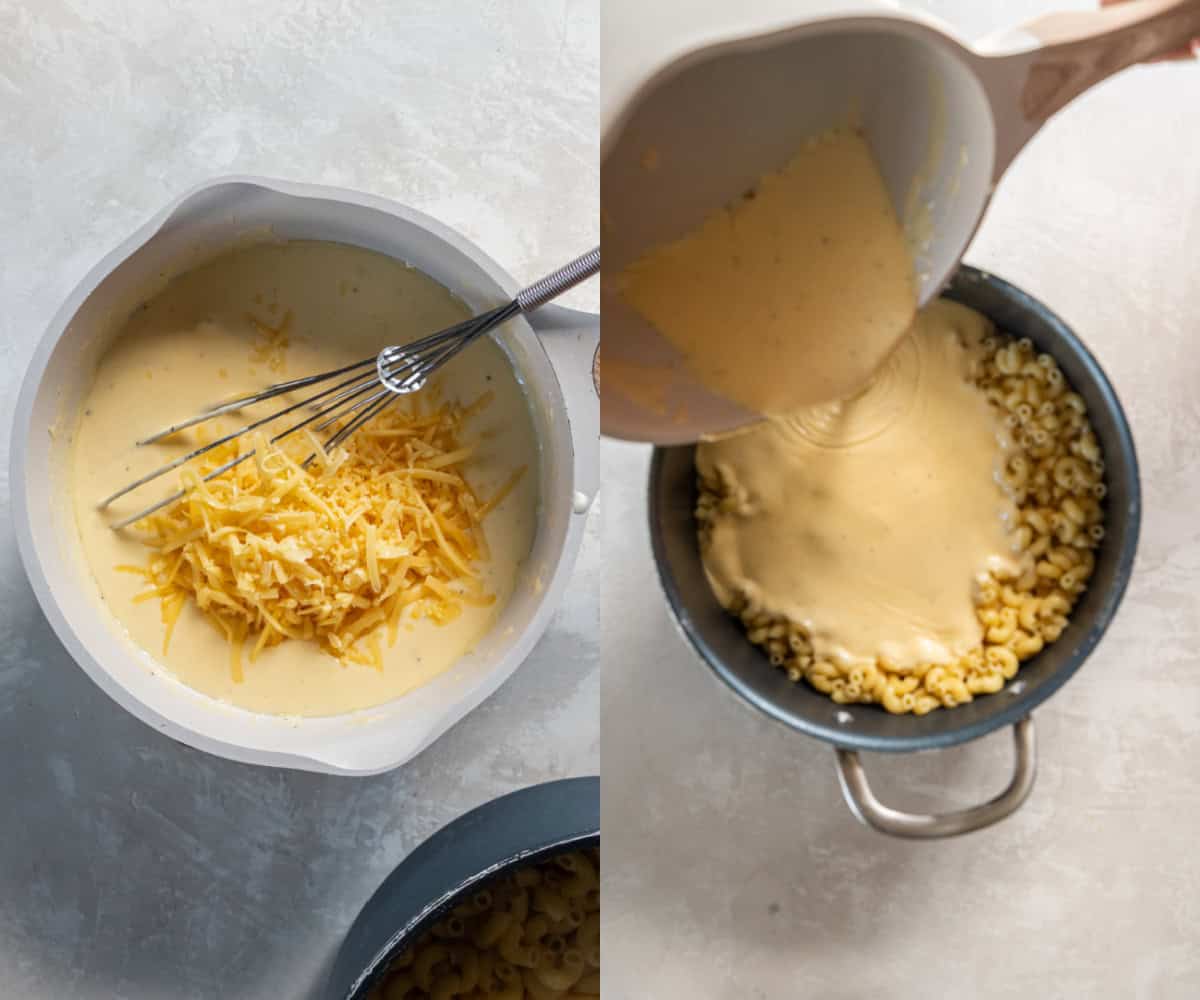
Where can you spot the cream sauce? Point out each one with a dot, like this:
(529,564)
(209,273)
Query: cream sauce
(194,344)
(869,521)
(793,295)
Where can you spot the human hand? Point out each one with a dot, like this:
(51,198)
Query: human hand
(1188,52)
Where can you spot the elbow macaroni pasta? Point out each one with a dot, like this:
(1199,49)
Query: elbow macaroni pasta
(531,935)
(1054,474)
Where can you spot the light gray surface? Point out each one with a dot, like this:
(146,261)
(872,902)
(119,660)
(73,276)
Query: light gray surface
(130,866)
(734,870)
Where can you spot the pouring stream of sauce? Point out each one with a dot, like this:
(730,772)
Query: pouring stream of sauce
(868,504)
(868,521)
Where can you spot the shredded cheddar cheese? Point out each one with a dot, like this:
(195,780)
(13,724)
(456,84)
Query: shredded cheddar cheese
(333,552)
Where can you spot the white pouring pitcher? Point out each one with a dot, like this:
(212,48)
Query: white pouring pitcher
(688,129)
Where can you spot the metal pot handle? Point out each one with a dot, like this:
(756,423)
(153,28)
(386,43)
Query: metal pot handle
(926,826)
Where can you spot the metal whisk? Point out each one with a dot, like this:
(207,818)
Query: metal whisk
(369,385)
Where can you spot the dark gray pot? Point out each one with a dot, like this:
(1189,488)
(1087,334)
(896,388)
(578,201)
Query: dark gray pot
(513,830)
(719,639)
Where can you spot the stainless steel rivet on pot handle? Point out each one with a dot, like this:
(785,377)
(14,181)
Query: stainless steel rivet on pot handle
(922,826)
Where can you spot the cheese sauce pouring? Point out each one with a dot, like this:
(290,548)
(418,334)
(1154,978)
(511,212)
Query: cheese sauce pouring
(869,521)
(794,294)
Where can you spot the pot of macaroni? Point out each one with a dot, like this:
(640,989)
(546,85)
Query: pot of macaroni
(502,902)
(871,574)
(336,613)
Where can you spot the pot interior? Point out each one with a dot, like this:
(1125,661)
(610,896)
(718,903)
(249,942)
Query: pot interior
(520,828)
(720,640)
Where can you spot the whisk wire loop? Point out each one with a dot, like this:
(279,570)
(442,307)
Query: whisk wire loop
(376,383)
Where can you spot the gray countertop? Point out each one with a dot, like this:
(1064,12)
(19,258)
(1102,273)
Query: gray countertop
(734,870)
(130,866)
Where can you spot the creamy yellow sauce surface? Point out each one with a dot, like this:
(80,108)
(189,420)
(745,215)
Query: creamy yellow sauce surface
(794,294)
(195,343)
(869,521)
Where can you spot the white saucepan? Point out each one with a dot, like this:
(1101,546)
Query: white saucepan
(555,368)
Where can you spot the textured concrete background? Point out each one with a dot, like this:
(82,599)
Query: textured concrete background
(734,870)
(131,867)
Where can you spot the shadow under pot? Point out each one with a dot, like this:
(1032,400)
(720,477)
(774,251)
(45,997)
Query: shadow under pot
(721,641)
(497,838)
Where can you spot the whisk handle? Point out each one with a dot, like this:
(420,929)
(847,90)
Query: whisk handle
(553,285)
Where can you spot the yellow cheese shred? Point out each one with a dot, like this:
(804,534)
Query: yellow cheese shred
(332,551)
(272,350)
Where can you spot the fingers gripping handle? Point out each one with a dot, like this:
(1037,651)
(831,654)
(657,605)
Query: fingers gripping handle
(1034,71)
(1081,48)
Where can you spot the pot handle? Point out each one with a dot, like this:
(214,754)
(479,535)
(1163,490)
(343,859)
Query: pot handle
(571,338)
(1062,55)
(926,826)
